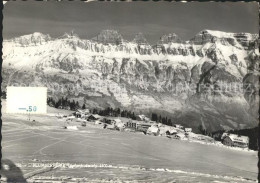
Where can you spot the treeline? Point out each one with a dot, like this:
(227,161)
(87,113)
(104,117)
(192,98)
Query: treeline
(64,103)
(160,119)
(204,131)
(252,133)
(114,113)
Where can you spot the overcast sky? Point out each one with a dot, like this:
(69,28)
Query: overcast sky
(153,19)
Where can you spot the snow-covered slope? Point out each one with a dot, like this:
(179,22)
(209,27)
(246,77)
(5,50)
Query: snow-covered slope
(112,71)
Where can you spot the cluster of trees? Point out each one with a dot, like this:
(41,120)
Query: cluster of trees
(203,131)
(64,103)
(115,113)
(160,119)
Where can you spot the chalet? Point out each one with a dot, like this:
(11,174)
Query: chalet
(153,130)
(171,132)
(93,117)
(235,140)
(107,121)
(143,126)
(81,113)
(77,114)
(131,124)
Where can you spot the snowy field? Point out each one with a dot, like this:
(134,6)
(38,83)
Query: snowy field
(45,152)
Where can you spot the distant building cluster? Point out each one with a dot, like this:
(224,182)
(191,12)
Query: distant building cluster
(142,123)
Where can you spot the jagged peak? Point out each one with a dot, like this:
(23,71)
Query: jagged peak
(170,38)
(212,36)
(215,33)
(69,35)
(38,34)
(109,37)
(34,38)
(35,34)
(222,34)
(109,31)
(140,39)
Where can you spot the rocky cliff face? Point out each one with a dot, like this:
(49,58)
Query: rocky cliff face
(140,39)
(244,39)
(32,39)
(109,37)
(183,80)
(171,38)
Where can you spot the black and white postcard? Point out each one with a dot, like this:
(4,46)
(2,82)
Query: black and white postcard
(130,92)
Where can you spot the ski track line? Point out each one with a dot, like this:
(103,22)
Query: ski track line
(84,145)
(60,140)
(19,139)
(129,148)
(124,144)
(46,136)
(40,150)
(37,172)
(49,145)
(87,136)
(146,156)
(17,135)
(230,166)
(9,146)
(11,132)
(90,138)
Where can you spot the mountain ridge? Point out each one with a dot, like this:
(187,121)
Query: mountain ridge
(213,33)
(144,78)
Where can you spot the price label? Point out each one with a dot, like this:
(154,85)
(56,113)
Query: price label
(26,100)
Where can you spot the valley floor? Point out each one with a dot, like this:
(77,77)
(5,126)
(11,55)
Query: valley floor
(44,152)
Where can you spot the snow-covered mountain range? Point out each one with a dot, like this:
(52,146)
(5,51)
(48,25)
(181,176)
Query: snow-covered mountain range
(111,71)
